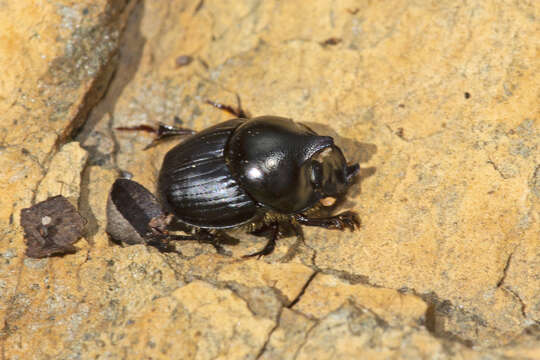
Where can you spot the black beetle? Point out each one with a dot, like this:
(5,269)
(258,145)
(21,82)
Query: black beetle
(245,172)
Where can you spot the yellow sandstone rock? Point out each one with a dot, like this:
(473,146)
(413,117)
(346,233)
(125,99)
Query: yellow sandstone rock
(438,101)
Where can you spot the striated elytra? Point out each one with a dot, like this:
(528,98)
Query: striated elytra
(257,173)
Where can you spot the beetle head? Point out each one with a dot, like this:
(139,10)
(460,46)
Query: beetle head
(330,174)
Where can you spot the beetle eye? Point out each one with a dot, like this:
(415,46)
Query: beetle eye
(316,174)
(351,171)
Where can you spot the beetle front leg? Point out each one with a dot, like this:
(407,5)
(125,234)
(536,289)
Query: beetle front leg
(162,244)
(346,220)
(202,236)
(271,244)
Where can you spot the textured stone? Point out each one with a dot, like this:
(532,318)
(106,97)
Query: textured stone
(286,340)
(327,293)
(64,174)
(437,101)
(80,304)
(196,321)
(289,279)
(352,333)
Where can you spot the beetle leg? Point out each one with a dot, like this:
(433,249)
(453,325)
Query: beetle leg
(264,231)
(238,112)
(167,131)
(270,245)
(163,131)
(346,220)
(162,244)
(202,236)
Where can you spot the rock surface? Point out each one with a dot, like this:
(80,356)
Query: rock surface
(438,102)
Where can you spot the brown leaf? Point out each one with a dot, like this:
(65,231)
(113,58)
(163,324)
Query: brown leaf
(51,227)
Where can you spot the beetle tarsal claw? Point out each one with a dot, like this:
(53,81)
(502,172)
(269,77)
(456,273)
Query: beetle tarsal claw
(347,220)
(328,201)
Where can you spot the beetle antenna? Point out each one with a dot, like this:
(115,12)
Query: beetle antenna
(241,113)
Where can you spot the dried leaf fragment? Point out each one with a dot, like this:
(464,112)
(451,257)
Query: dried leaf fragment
(51,227)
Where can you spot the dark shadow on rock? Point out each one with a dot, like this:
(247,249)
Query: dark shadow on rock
(355,152)
(85,209)
(129,57)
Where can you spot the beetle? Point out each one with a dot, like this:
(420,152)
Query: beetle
(247,172)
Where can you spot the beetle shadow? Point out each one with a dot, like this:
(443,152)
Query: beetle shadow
(355,152)
(289,230)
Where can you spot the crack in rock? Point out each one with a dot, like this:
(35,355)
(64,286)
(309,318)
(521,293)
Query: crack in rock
(299,296)
(505,269)
(516,296)
(265,345)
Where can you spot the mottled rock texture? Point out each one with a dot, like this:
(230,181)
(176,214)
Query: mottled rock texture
(438,101)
